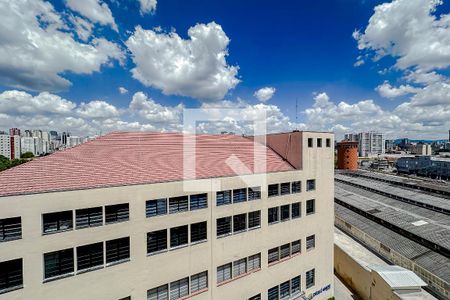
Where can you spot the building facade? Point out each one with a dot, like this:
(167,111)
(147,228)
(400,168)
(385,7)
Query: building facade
(347,155)
(139,231)
(5,145)
(369,143)
(420,149)
(15,144)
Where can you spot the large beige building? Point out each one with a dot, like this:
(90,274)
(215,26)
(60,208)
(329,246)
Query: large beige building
(117,218)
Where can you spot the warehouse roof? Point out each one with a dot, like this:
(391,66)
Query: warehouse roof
(128,158)
(398,277)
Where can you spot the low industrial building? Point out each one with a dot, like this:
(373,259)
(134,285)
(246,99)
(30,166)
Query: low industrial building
(429,166)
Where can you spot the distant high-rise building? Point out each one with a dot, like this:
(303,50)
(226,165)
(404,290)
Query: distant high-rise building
(389,145)
(53,135)
(28,133)
(29,144)
(15,144)
(64,137)
(14,131)
(369,143)
(420,149)
(5,145)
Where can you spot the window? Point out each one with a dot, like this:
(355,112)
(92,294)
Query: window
(273,215)
(319,143)
(179,288)
(254,219)
(178,236)
(328,143)
(89,217)
(11,275)
(310,185)
(239,267)
(198,232)
(118,250)
(272,255)
(296,187)
(223,226)
(310,142)
(273,190)
(199,281)
(295,285)
(156,207)
(198,201)
(10,229)
(285,212)
(272,294)
(310,278)
(296,247)
(254,262)
(285,250)
(310,206)
(239,195)
(58,221)
(223,273)
(58,263)
(178,204)
(285,188)
(126,298)
(159,293)
(310,242)
(117,213)
(156,241)
(295,211)
(89,256)
(254,193)
(285,289)
(256,297)
(239,222)
(223,197)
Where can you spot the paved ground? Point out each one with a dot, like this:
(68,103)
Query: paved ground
(341,292)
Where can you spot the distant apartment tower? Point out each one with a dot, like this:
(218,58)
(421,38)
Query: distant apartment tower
(347,155)
(5,145)
(369,143)
(389,145)
(420,149)
(15,144)
(14,131)
(128,223)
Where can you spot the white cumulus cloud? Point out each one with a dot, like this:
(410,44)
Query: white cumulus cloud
(123,90)
(386,90)
(95,10)
(265,93)
(147,6)
(194,67)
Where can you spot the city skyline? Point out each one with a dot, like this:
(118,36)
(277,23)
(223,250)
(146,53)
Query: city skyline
(346,72)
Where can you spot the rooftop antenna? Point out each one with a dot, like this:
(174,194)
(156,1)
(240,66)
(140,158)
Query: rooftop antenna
(296,114)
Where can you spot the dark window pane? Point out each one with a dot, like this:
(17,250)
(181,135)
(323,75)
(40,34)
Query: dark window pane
(285,212)
(285,250)
(295,212)
(179,288)
(117,250)
(310,185)
(10,229)
(198,232)
(296,187)
(285,188)
(117,213)
(178,236)
(239,222)
(310,278)
(199,201)
(89,217)
(310,206)
(223,197)
(239,195)
(157,241)
(285,289)
(199,281)
(328,142)
(319,142)
(223,273)
(254,193)
(58,221)
(58,263)
(272,294)
(273,190)
(156,207)
(178,204)
(256,297)
(273,255)
(89,256)
(254,262)
(295,285)
(223,226)
(296,247)
(159,293)
(273,215)
(310,142)
(310,242)
(11,274)
(254,219)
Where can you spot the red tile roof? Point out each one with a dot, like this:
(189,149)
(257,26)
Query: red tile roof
(128,158)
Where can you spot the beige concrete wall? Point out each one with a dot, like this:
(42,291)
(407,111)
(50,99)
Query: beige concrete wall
(144,272)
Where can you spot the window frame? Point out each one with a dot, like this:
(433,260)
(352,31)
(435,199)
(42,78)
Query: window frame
(310,242)
(254,193)
(117,247)
(194,231)
(10,229)
(271,186)
(226,197)
(298,212)
(308,207)
(59,222)
(201,201)
(285,215)
(158,241)
(115,216)
(252,217)
(308,185)
(91,214)
(15,270)
(158,210)
(91,257)
(229,225)
(67,272)
(221,272)
(177,234)
(269,214)
(181,203)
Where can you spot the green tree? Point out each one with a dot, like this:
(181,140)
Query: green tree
(27,155)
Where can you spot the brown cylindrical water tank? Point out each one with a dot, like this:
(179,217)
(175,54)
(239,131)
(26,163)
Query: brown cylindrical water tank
(347,156)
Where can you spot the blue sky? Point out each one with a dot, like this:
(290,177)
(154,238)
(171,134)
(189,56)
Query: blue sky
(303,50)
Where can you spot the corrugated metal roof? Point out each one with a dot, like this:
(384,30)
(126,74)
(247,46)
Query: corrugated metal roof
(129,158)
(398,277)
